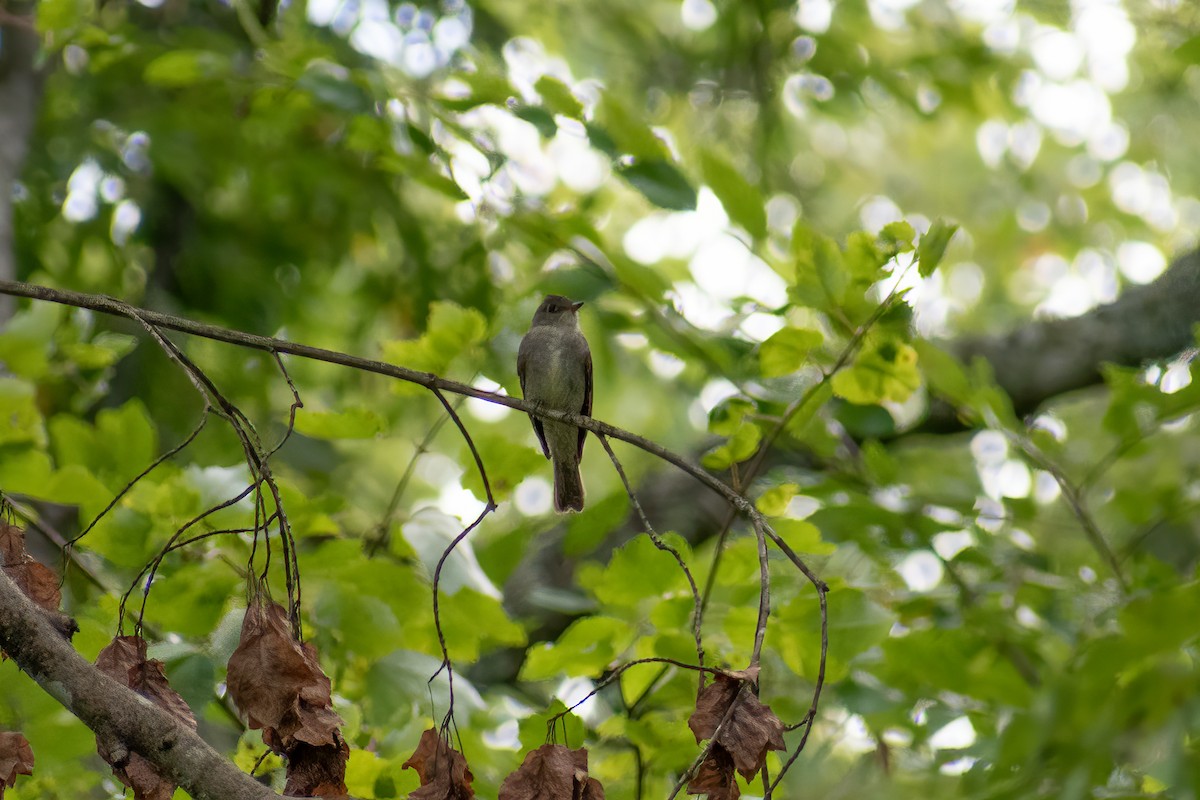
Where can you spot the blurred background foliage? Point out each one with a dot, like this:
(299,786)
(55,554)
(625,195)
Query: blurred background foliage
(734,187)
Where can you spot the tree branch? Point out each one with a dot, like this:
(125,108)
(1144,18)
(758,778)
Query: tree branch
(113,711)
(118,308)
(1047,358)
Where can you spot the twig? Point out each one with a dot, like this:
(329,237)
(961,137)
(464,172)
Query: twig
(619,671)
(108,305)
(662,544)
(1077,504)
(811,716)
(381,532)
(70,544)
(437,573)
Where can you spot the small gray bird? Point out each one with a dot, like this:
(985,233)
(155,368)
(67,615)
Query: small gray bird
(554,364)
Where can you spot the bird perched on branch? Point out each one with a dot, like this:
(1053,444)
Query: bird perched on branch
(554,364)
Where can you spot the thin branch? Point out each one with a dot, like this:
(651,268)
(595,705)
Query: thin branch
(1078,505)
(381,530)
(811,716)
(619,671)
(67,546)
(661,544)
(108,305)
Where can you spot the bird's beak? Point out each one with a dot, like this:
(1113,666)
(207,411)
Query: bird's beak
(576,306)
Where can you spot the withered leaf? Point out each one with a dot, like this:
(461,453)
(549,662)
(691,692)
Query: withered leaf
(750,732)
(552,772)
(443,770)
(124,660)
(37,581)
(317,771)
(16,758)
(278,683)
(715,777)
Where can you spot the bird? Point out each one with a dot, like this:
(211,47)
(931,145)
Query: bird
(554,365)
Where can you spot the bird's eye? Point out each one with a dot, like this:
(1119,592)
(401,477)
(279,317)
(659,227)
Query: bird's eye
(553,309)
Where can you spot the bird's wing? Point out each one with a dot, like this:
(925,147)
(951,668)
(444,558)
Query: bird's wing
(587,394)
(537,423)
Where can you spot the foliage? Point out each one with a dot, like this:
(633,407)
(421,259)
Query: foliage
(758,201)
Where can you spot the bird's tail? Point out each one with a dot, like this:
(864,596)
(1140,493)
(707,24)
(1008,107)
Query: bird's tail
(568,486)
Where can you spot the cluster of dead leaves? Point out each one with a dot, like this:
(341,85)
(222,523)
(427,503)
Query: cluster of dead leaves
(552,772)
(40,584)
(277,683)
(443,770)
(16,758)
(742,742)
(36,580)
(124,660)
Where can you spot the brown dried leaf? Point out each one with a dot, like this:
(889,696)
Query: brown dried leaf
(750,732)
(124,660)
(552,772)
(443,770)
(38,582)
(715,777)
(317,771)
(278,683)
(16,758)
(12,544)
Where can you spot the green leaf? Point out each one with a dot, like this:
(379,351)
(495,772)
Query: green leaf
(856,624)
(727,415)
(451,331)
(933,246)
(661,183)
(474,622)
(540,118)
(774,501)
(741,200)
(637,571)
(26,471)
(103,351)
(740,446)
(897,236)
(362,770)
(360,623)
(802,536)
(534,730)
(786,351)
(944,374)
(821,275)
(507,463)
(887,371)
(20,420)
(628,134)
(353,423)
(177,68)
(62,16)
(487,87)
(586,648)
(557,97)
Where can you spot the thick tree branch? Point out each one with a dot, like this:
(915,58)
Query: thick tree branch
(1044,359)
(113,711)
